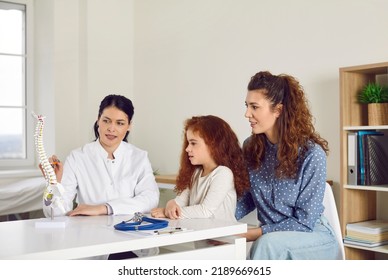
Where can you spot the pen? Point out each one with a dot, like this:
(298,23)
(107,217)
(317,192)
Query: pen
(169,231)
(55,162)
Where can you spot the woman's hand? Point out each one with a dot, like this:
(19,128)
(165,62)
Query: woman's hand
(172,210)
(89,210)
(252,234)
(57,166)
(158,213)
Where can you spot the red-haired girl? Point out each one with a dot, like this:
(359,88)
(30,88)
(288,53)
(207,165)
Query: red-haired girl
(212,172)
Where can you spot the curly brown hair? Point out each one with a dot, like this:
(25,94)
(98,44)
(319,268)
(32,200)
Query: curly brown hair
(224,148)
(295,123)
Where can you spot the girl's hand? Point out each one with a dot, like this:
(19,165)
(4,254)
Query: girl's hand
(158,213)
(89,210)
(172,210)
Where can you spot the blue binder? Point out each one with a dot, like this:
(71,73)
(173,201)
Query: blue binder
(361,150)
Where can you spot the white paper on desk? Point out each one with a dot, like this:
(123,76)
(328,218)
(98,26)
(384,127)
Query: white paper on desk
(161,232)
(139,232)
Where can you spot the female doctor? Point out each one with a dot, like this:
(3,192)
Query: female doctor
(109,175)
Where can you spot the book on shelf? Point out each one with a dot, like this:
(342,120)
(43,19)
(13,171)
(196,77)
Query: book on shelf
(367,158)
(353,241)
(369,227)
(367,233)
(367,237)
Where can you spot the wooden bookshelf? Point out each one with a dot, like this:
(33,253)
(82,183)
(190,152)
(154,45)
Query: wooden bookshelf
(358,203)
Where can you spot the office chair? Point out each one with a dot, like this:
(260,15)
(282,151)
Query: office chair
(331,215)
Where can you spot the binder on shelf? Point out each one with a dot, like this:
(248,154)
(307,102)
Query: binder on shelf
(367,158)
(352,158)
(376,163)
(363,149)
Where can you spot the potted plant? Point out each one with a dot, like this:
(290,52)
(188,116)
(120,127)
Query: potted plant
(376,96)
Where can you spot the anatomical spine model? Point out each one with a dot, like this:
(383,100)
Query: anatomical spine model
(52,195)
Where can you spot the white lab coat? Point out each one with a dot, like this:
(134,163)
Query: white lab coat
(126,183)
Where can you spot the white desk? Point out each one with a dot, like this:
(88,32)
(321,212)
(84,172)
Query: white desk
(92,236)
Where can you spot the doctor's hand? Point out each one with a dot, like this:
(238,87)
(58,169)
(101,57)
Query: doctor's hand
(57,166)
(89,210)
(172,210)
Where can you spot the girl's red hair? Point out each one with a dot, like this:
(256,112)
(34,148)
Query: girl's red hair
(224,148)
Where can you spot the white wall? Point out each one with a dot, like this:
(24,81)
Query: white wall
(196,57)
(84,51)
(178,58)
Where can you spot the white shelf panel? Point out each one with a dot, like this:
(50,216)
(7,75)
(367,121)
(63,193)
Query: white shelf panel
(376,127)
(379,188)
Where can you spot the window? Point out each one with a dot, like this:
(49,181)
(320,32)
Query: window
(16,131)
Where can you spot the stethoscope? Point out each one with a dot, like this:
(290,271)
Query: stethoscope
(136,225)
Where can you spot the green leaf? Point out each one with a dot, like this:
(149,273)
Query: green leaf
(373,93)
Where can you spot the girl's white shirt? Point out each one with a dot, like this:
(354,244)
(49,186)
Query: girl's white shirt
(211,196)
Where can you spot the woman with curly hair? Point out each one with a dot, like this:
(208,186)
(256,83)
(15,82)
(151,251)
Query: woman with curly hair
(286,160)
(212,172)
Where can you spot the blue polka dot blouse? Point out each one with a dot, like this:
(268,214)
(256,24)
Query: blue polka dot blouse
(286,204)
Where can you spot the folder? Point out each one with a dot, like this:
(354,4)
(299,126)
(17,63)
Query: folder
(364,158)
(352,158)
(376,164)
(363,162)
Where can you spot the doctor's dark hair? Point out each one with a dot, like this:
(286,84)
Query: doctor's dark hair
(120,102)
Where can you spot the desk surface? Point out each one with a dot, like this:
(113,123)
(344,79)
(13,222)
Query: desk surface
(93,236)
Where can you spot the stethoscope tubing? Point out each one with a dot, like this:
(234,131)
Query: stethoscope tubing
(136,226)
